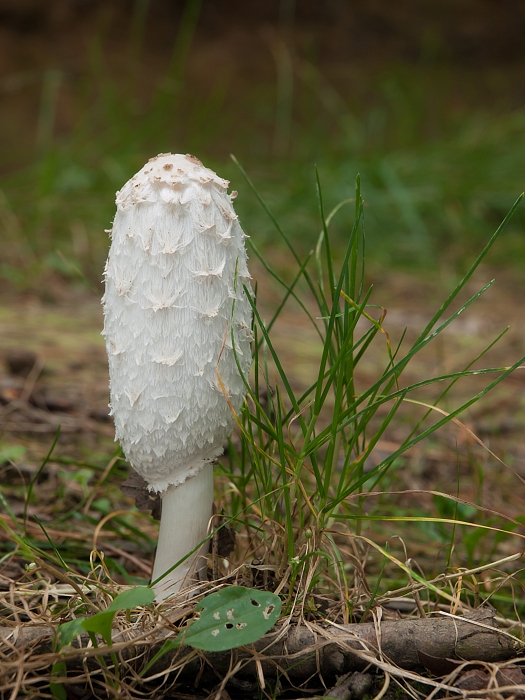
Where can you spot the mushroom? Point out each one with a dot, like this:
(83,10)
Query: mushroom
(177,324)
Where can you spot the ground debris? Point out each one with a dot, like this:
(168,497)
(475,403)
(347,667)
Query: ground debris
(351,686)
(298,653)
(136,487)
(484,678)
(20,362)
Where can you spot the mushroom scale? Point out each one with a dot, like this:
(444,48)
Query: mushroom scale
(174,287)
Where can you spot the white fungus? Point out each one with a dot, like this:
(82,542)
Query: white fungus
(175,279)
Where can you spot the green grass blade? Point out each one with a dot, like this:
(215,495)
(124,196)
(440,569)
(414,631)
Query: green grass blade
(381,468)
(37,474)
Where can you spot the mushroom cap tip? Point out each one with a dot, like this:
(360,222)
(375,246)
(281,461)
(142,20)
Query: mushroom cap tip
(168,169)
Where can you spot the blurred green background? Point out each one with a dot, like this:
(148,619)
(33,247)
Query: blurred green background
(425,99)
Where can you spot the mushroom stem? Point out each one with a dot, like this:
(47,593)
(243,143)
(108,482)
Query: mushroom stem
(186,512)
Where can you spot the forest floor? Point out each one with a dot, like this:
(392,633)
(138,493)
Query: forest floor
(68,386)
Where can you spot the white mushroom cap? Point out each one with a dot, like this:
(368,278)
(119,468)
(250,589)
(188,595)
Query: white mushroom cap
(176,266)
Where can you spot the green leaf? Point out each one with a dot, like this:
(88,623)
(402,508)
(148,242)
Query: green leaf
(101,623)
(232,617)
(68,631)
(58,691)
(132,598)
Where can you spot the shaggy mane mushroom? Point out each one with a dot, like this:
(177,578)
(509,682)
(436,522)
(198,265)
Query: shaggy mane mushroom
(174,298)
